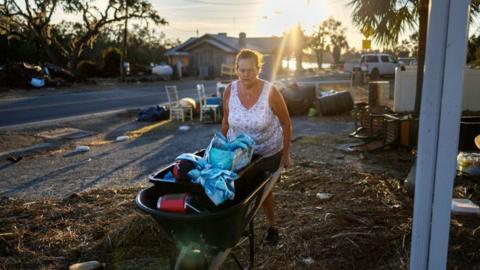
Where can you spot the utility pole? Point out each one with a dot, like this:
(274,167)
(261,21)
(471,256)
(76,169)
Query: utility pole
(124,51)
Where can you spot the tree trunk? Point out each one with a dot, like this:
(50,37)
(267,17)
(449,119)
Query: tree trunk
(73,64)
(422,42)
(336,53)
(298,62)
(75,54)
(319,60)
(46,48)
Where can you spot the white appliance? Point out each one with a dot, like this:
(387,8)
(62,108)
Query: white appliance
(405,89)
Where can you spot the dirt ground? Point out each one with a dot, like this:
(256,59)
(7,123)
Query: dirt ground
(365,225)
(369,213)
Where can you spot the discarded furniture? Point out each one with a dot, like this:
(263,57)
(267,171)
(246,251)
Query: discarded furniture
(221,87)
(227,70)
(336,103)
(177,111)
(381,127)
(297,98)
(405,89)
(208,105)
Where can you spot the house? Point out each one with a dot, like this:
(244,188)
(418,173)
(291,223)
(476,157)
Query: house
(203,56)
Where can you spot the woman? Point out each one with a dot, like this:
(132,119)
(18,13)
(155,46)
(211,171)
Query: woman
(254,107)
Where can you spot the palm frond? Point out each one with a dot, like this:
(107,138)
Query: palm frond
(387,18)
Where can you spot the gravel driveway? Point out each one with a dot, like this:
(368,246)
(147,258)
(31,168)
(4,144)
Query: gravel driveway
(55,173)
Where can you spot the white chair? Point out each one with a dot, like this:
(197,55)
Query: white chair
(177,111)
(204,104)
(221,89)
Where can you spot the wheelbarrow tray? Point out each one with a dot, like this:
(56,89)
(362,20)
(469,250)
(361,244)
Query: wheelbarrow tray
(222,228)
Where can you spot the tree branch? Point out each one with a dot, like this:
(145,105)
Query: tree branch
(27,7)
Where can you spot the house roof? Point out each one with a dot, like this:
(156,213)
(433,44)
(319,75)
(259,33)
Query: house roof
(228,44)
(179,48)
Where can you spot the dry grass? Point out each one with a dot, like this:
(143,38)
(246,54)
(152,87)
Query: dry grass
(365,225)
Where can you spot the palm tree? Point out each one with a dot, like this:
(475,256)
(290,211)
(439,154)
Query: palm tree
(389,18)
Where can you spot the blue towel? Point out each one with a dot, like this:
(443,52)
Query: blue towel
(218,184)
(230,155)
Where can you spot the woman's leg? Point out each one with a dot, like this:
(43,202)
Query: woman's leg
(269,206)
(271,166)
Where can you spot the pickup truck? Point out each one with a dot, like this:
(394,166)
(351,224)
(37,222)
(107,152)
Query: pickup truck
(376,65)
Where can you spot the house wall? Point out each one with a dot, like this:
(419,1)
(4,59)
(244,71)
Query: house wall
(172,61)
(208,56)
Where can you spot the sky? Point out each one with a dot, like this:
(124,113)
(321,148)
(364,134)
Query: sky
(257,18)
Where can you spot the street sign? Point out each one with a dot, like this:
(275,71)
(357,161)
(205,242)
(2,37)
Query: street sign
(366,44)
(367,32)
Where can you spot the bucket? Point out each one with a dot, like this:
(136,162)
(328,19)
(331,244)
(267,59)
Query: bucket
(334,104)
(378,93)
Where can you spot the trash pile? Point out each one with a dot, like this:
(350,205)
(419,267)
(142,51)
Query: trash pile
(301,100)
(298,99)
(27,76)
(153,113)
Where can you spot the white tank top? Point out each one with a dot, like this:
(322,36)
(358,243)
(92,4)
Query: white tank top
(259,122)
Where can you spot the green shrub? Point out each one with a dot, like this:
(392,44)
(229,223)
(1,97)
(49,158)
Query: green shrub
(87,68)
(111,62)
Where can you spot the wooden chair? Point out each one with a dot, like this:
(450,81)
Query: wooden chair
(177,111)
(206,106)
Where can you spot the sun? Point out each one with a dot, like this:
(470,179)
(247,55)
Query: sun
(281,15)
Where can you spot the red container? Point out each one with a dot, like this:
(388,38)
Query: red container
(176,203)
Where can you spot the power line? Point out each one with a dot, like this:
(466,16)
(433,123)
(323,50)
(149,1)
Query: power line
(225,3)
(218,18)
(180,29)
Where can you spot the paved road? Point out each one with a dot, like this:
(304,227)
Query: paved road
(41,108)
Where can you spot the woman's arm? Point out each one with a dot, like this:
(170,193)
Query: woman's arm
(226,98)
(279,108)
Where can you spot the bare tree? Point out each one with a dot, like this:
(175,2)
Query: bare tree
(329,34)
(94,20)
(35,16)
(339,42)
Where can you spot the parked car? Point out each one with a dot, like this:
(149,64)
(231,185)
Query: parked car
(378,64)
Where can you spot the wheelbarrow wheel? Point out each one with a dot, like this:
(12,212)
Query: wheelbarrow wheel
(191,259)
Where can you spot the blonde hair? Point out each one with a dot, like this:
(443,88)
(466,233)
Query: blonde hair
(250,54)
